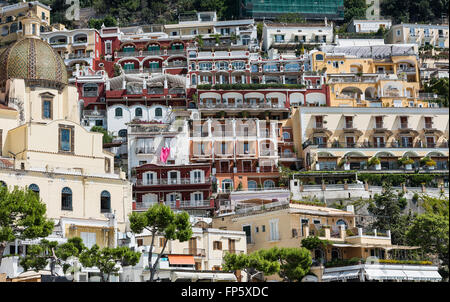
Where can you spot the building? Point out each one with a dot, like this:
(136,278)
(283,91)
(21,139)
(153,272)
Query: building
(80,47)
(182,187)
(45,149)
(220,35)
(286,224)
(420,34)
(196,258)
(345,138)
(281,35)
(309,9)
(370,76)
(21,19)
(368,26)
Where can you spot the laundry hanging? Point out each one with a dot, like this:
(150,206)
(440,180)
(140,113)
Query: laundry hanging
(165,151)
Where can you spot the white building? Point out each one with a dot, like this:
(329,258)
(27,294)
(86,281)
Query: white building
(277,34)
(367,26)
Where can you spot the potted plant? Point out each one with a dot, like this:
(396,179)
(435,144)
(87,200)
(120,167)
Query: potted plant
(375,162)
(345,163)
(407,163)
(430,164)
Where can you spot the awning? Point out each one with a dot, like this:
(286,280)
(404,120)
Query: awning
(353,274)
(423,275)
(181,259)
(204,276)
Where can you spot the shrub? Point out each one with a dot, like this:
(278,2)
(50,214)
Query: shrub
(349,233)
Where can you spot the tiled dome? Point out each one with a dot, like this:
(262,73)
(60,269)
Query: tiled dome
(33,60)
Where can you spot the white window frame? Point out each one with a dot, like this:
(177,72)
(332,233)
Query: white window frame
(195,179)
(274,234)
(169,179)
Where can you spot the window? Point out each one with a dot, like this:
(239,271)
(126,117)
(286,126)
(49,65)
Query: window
(158,112)
(238,65)
(273,225)
(336,64)
(252,185)
(197,176)
(269,184)
(89,239)
(138,112)
(46,109)
(217,245)
(66,199)
(162,241)
(119,112)
(403,122)
(205,66)
(105,202)
(319,121)
(43,16)
(256,229)
(398,32)
(319,57)
(263,228)
(140,242)
(90,90)
(222,65)
(349,122)
(66,138)
(34,188)
(286,135)
(248,233)
(279,38)
(108,47)
(428,122)
(379,122)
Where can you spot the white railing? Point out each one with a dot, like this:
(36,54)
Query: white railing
(262,207)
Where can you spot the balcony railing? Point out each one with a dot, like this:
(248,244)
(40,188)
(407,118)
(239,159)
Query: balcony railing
(177,64)
(131,71)
(238,252)
(123,54)
(343,145)
(152,70)
(78,56)
(94,113)
(176,51)
(167,182)
(158,52)
(195,204)
(194,252)
(249,106)
(145,150)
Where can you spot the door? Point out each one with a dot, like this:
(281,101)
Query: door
(248,233)
(193,246)
(247,165)
(350,140)
(379,142)
(232,246)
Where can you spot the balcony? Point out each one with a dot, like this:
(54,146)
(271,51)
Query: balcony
(123,54)
(152,70)
(131,71)
(145,150)
(344,145)
(177,64)
(179,181)
(238,252)
(73,56)
(192,204)
(94,113)
(176,52)
(194,252)
(157,52)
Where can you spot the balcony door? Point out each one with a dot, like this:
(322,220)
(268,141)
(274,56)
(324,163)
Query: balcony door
(193,246)
(247,166)
(378,141)
(232,246)
(406,141)
(350,141)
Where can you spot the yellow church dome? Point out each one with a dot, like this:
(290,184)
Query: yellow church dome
(35,61)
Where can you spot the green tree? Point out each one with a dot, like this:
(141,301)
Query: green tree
(49,252)
(107,138)
(439,87)
(313,243)
(22,216)
(424,11)
(387,209)
(160,220)
(354,9)
(108,260)
(251,264)
(294,263)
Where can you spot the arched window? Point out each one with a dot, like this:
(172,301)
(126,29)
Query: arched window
(269,184)
(341,222)
(319,57)
(194,80)
(66,199)
(158,112)
(105,202)
(34,188)
(5,30)
(119,112)
(227,185)
(252,185)
(286,135)
(138,112)
(123,133)
(13,28)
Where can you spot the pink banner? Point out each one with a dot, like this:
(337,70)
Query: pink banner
(164,154)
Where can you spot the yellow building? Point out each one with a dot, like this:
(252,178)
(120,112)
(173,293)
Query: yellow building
(12,25)
(288,224)
(43,147)
(370,76)
(346,138)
